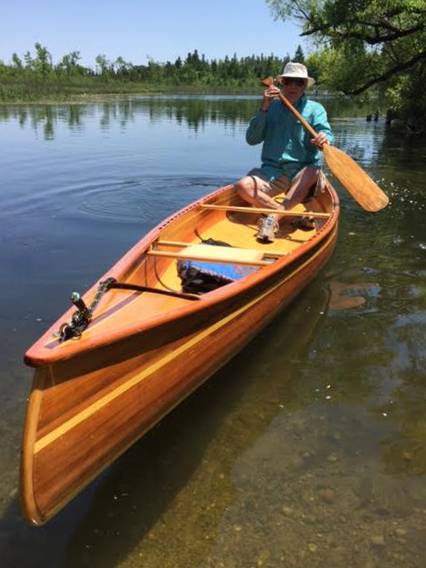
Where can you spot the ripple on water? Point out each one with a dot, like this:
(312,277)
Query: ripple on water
(141,199)
(120,200)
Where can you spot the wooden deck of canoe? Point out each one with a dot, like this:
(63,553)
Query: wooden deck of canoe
(143,353)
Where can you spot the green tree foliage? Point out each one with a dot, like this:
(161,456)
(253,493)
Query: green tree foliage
(122,67)
(196,70)
(36,74)
(365,44)
(69,65)
(16,61)
(103,64)
(28,60)
(43,60)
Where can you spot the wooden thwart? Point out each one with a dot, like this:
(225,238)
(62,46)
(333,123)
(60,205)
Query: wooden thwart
(262,210)
(229,255)
(183,244)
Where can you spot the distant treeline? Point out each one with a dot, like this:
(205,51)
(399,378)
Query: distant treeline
(33,72)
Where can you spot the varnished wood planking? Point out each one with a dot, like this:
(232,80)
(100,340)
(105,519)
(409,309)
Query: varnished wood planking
(87,384)
(110,395)
(167,382)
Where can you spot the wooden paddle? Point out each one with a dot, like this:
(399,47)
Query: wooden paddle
(357,182)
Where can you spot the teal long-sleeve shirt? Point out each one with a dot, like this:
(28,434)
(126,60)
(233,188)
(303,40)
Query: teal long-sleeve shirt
(287,146)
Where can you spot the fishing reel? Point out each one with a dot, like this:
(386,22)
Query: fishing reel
(79,320)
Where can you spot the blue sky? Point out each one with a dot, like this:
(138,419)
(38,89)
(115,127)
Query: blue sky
(136,29)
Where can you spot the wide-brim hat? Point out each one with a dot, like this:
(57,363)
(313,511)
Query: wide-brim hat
(297,71)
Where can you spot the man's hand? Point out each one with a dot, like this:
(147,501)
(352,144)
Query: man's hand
(269,95)
(320,139)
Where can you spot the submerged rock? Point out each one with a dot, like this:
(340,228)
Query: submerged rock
(378,540)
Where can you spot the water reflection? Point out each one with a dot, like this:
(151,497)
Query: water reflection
(193,112)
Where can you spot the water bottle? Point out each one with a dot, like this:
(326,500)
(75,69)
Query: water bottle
(267,227)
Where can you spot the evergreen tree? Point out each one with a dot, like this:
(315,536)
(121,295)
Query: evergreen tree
(16,61)
(299,56)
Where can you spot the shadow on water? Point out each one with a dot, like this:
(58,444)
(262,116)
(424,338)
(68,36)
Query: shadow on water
(126,505)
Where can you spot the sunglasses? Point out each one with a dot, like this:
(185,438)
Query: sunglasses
(299,82)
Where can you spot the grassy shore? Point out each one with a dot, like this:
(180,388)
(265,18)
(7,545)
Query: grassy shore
(37,90)
(18,91)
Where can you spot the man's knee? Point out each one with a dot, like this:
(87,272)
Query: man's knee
(245,186)
(310,173)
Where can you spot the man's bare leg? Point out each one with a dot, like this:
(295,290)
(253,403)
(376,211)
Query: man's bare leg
(247,188)
(300,187)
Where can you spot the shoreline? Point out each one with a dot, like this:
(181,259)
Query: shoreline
(21,94)
(16,93)
(83,98)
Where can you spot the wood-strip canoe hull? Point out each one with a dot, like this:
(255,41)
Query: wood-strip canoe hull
(84,412)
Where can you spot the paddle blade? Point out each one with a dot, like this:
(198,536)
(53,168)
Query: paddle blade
(362,188)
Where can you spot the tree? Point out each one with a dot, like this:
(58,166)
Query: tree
(16,61)
(28,60)
(299,56)
(43,61)
(121,66)
(69,63)
(367,43)
(102,63)
(389,36)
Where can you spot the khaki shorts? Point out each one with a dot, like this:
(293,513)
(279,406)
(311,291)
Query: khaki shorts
(271,188)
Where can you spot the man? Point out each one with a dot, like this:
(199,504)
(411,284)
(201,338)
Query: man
(291,159)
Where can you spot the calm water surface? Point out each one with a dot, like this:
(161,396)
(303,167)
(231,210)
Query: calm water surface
(308,449)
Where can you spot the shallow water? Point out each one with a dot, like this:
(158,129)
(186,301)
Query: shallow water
(308,449)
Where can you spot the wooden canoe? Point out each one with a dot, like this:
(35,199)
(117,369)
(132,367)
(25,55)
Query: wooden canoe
(143,352)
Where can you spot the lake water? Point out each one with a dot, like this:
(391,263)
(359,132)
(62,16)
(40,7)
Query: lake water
(309,448)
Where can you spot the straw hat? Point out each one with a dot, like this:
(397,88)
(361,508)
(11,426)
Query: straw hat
(297,71)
